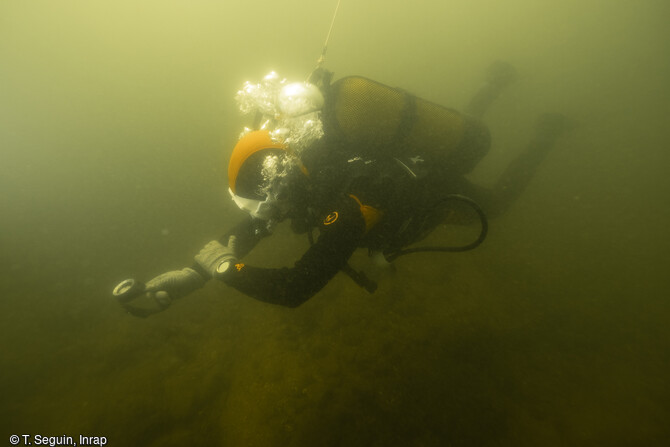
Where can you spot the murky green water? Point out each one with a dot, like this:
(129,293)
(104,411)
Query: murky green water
(116,120)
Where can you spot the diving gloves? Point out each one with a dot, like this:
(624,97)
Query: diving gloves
(216,258)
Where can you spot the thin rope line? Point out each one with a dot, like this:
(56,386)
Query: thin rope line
(325,45)
(332,22)
(322,58)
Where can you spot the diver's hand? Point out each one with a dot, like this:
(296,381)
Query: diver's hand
(172,285)
(216,258)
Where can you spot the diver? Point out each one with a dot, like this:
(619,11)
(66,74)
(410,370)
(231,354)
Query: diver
(361,164)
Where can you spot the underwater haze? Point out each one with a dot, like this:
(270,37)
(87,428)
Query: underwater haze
(116,122)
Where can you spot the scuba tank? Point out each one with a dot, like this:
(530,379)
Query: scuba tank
(375,120)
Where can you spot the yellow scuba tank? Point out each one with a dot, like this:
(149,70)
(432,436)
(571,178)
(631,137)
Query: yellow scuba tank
(377,119)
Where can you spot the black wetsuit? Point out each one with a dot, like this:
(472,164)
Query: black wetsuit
(340,233)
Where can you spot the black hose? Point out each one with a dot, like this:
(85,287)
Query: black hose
(467,247)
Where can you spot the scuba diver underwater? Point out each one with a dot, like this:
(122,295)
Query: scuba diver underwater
(363,165)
